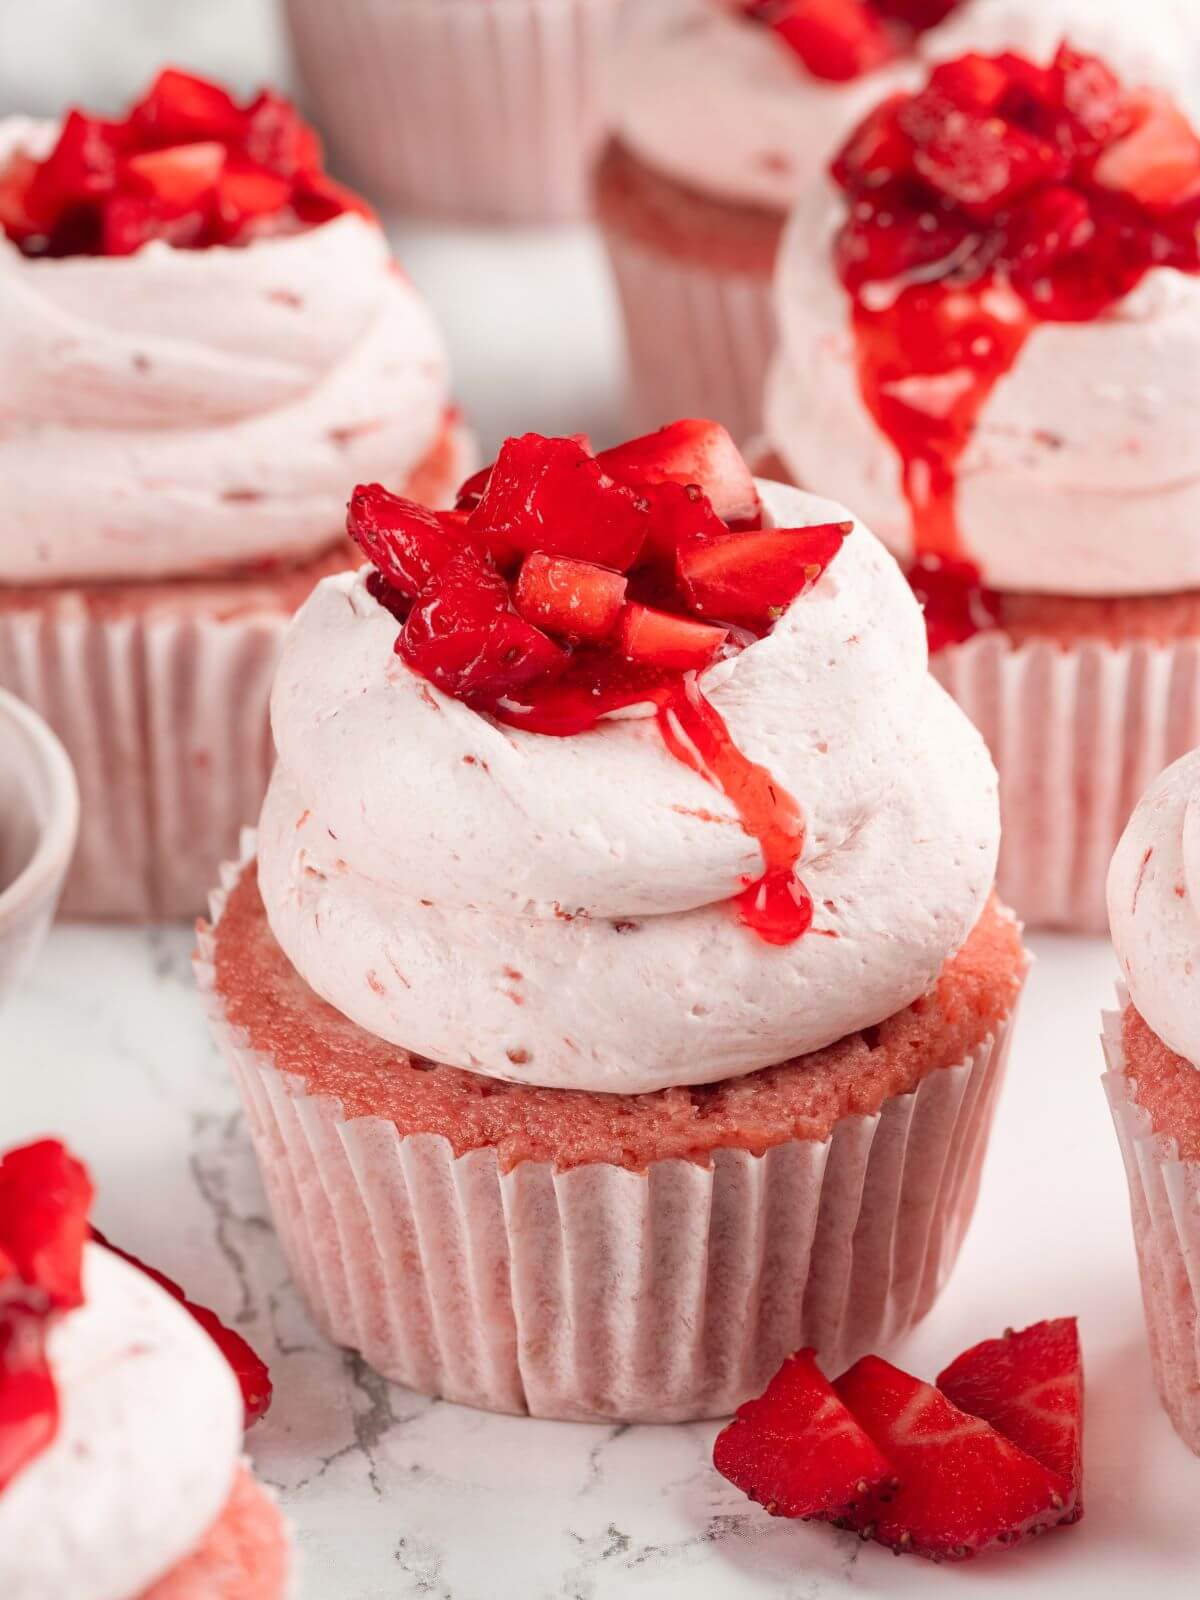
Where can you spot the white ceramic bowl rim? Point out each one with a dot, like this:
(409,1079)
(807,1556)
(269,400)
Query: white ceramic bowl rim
(59,828)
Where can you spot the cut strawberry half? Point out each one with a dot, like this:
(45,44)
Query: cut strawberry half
(571,599)
(551,495)
(179,177)
(674,644)
(752,578)
(406,541)
(1029,1387)
(463,636)
(691,451)
(798,1451)
(250,1370)
(964,1487)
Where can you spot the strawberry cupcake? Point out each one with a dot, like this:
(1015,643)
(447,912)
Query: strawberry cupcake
(992,341)
(616,991)
(120,1420)
(477,110)
(726,113)
(204,340)
(1152,1045)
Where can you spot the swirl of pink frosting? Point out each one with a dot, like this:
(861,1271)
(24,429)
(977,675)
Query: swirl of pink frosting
(1154,906)
(556,911)
(182,412)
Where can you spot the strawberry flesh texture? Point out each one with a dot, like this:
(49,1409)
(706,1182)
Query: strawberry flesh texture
(110,187)
(840,40)
(250,1370)
(690,452)
(573,600)
(671,643)
(798,1451)
(1029,1387)
(964,1487)
(408,543)
(751,578)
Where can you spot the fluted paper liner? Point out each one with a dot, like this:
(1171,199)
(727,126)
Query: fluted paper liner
(1077,730)
(700,340)
(600,1293)
(460,109)
(1164,1195)
(166,721)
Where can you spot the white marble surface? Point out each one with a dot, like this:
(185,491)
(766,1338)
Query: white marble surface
(393,1496)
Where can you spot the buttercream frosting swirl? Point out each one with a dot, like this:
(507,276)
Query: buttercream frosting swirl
(182,412)
(146,1451)
(1154,906)
(556,911)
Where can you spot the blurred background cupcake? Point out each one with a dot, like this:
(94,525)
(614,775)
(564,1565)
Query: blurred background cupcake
(472,110)
(991,339)
(206,342)
(726,113)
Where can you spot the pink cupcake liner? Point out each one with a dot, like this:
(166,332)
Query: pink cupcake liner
(700,340)
(166,722)
(476,109)
(1078,730)
(600,1293)
(1164,1195)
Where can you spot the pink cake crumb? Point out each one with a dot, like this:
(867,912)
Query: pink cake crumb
(244,1557)
(1163,1084)
(263,995)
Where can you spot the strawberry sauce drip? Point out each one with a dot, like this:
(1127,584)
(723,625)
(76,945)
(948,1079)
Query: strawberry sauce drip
(776,906)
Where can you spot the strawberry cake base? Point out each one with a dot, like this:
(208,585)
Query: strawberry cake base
(160,693)
(1155,1099)
(1082,702)
(244,1557)
(694,276)
(589,1256)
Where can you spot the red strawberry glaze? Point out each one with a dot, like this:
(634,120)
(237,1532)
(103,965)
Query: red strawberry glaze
(44,1200)
(186,165)
(1002,196)
(840,40)
(625,559)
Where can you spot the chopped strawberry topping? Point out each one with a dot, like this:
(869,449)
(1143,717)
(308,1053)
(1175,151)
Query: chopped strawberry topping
(839,40)
(249,1369)
(567,586)
(798,1451)
(1029,1386)
(1001,195)
(44,1199)
(986,1460)
(187,166)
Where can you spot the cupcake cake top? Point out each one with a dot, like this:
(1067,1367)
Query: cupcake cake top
(745,99)
(120,1420)
(627,773)
(1003,323)
(204,338)
(1154,906)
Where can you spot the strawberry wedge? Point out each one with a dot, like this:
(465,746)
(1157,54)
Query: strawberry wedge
(752,578)
(695,452)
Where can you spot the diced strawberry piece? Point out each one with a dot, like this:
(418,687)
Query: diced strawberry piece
(752,578)
(963,1486)
(406,541)
(877,244)
(980,162)
(131,221)
(691,451)
(464,637)
(45,1196)
(837,40)
(1053,223)
(677,516)
(550,495)
(659,639)
(971,82)
(573,599)
(1029,1387)
(877,152)
(180,108)
(1158,162)
(249,1369)
(179,176)
(246,193)
(277,138)
(82,167)
(1096,107)
(798,1451)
